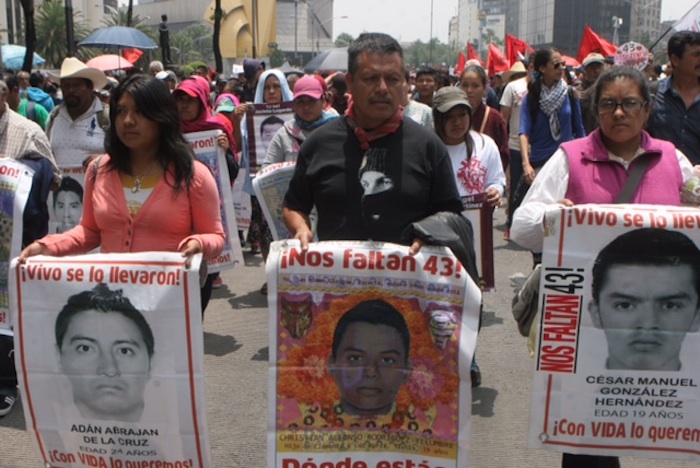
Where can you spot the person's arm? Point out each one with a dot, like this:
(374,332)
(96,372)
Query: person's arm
(549,188)
(577,120)
(298,226)
(524,135)
(495,176)
(206,214)
(505,112)
(501,139)
(506,104)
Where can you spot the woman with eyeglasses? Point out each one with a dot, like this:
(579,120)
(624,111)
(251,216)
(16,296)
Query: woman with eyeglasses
(550,115)
(595,168)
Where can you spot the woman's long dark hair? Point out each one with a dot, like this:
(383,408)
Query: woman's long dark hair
(534,87)
(154,101)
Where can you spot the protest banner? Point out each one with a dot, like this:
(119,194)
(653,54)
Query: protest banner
(370,351)
(616,366)
(632,54)
(66,203)
(15,184)
(110,359)
(270,186)
(241,202)
(480,214)
(213,156)
(262,122)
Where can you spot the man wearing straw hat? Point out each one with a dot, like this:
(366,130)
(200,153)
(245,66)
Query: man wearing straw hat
(76,127)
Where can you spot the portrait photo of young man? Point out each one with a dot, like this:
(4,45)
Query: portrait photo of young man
(105,348)
(646,294)
(369,359)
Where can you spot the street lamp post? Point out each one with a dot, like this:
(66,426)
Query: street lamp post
(617,22)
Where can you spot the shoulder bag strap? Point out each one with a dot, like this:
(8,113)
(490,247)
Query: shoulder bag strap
(638,169)
(486,117)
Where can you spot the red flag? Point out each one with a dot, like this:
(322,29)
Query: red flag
(592,42)
(461,63)
(496,61)
(472,55)
(517,49)
(132,55)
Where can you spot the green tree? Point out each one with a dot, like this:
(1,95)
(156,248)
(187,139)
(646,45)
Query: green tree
(120,17)
(418,54)
(51,31)
(192,43)
(490,38)
(343,40)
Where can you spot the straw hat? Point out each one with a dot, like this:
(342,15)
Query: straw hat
(74,68)
(518,67)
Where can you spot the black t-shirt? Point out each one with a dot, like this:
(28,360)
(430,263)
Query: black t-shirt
(375,194)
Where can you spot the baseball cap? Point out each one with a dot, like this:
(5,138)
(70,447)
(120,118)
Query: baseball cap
(593,57)
(165,75)
(448,97)
(226,104)
(308,86)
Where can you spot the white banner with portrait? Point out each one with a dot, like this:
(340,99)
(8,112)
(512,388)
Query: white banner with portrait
(370,351)
(110,359)
(15,185)
(66,203)
(270,185)
(213,156)
(616,362)
(262,122)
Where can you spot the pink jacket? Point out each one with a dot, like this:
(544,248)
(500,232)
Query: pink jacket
(593,178)
(165,222)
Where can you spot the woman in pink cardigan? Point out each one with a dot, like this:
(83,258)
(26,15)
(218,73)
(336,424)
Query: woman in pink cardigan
(148,193)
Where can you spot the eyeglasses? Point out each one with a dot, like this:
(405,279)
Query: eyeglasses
(629,106)
(559,65)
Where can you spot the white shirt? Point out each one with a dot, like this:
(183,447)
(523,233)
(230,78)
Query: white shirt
(550,186)
(74,140)
(513,95)
(482,171)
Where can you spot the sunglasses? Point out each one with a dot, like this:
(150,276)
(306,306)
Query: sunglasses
(558,65)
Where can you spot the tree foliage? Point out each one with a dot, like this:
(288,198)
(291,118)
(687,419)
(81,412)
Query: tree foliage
(51,31)
(343,40)
(418,54)
(192,43)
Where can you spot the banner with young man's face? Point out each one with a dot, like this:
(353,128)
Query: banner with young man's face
(616,367)
(207,150)
(110,359)
(370,353)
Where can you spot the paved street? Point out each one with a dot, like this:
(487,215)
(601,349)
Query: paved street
(236,340)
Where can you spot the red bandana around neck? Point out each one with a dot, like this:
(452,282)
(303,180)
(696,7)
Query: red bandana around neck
(366,137)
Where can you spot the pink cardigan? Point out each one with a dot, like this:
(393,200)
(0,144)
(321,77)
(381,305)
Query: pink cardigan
(165,222)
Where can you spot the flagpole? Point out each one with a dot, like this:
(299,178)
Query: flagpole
(651,47)
(674,25)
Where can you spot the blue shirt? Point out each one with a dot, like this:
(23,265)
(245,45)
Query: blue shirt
(671,121)
(542,145)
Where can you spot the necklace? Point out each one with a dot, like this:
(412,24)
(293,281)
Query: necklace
(137,179)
